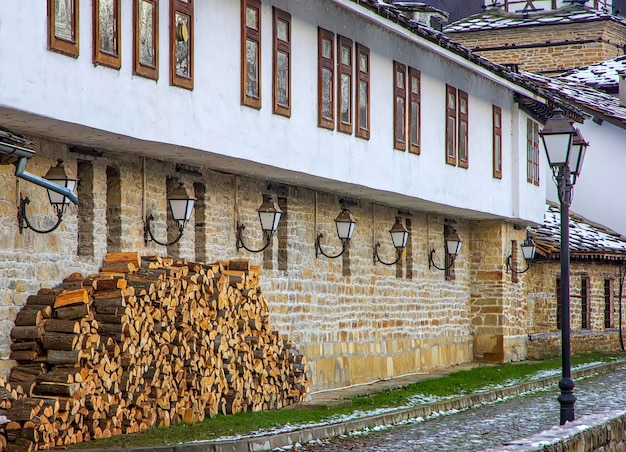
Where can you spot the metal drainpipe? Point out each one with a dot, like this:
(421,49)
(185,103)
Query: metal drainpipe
(21,173)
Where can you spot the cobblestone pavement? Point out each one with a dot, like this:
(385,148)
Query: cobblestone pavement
(490,425)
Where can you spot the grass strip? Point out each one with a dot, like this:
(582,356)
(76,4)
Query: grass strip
(454,384)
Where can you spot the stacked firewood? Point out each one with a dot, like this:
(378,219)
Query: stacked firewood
(144,343)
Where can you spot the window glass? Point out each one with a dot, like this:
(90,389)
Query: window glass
(450,137)
(327,48)
(252,18)
(415,126)
(327,94)
(345,98)
(345,55)
(251,59)
(63,14)
(146,29)
(363,93)
(281,30)
(363,66)
(182,45)
(283,77)
(399,119)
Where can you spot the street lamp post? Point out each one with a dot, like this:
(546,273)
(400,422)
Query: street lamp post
(564,146)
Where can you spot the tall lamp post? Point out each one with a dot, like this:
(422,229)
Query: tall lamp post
(565,149)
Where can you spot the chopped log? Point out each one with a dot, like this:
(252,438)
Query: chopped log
(63,356)
(24,355)
(32,317)
(59,341)
(61,326)
(19,346)
(129,257)
(58,389)
(41,300)
(71,297)
(72,312)
(26,333)
(119,268)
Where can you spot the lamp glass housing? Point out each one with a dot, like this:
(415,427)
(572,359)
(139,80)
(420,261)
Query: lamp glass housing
(61,176)
(579,148)
(453,244)
(269,214)
(399,234)
(528,249)
(558,136)
(181,204)
(345,224)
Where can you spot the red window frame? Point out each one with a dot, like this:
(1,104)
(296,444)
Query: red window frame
(253,35)
(363,80)
(415,92)
(344,69)
(451,125)
(497,142)
(185,8)
(281,46)
(399,106)
(325,64)
(463,133)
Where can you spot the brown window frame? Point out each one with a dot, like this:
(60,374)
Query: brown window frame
(139,68)
(253,35)
(451,131)
(585,307)
(347,70)
(325,64)
(608,305)
(532,152)
(184,8)
(463,136)
(112,60)
(399,94)
(414,98)
(61,45)
(362,77)
(284,47)
(497,138)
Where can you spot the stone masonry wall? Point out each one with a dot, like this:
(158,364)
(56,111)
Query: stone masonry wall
(541,298)
(354,321)
(608,40)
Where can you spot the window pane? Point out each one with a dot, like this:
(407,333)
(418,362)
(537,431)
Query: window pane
(251,65)
(363,63)
(363,119)
(345,98)
(463,141)
(497,121)
(146,30)
(281,30)
(415,114)
(107,27)
(327,48)
(182,45)
(498,151)
(450,137)
(63,19)
(345,55)
(415,85)
(463,105)
(399,79)
(327,112)
(451,101)
(252,18)
(283,78)
(399,119)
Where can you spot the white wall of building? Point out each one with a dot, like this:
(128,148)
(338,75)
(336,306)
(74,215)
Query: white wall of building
(210,118)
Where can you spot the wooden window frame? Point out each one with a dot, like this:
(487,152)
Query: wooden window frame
(184,8)
(463,136)
(344,69)
(60,45)
(101,58)
(328,64)
(139,68)
(532,152)
(250,34)
(451,132)
(497,134)
(607,303)
(362,77)
(284,47)
(399,93)
(584,303)
(414,98)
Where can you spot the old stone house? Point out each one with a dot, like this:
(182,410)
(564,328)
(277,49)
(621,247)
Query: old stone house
(323,106)
(597,266)
(543,36)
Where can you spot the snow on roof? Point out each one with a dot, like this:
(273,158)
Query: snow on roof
(589,98)
(587,239)
(496,18)
(603,75)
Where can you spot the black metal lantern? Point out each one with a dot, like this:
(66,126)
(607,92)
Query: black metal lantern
(181,207)
(558,136)
(399,236)
(452,246)
(345,223)
(269,217)
(528,251)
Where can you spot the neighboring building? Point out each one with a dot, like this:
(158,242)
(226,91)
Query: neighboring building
(322,105)
(597,266)
(543,36)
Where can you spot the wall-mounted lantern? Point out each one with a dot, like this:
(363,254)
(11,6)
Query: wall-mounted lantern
(452,246)
(181,206)
(345,223)
(528,251)
(269,217)
(399,237)
(62,178)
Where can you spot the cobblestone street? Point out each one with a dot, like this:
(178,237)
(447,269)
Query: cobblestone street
(489,425)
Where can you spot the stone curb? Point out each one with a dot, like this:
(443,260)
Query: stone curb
(304,435)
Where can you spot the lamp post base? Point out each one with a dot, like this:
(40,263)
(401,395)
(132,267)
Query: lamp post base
(567,399)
